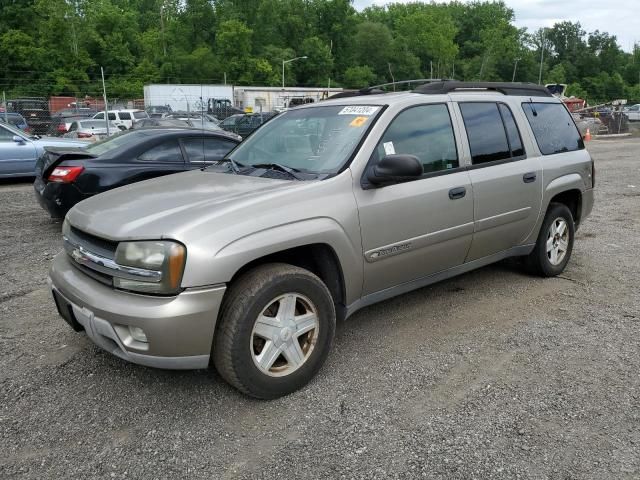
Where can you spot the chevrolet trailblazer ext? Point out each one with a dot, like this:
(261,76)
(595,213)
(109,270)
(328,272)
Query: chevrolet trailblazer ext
(325,209)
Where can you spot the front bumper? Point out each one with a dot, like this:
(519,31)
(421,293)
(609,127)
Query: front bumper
(179,329)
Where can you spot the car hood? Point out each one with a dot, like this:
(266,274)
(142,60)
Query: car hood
(174,206)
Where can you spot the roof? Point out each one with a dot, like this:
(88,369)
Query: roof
(506,88)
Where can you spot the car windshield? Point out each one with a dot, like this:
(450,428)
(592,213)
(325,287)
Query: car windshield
(315,140)
(117,141)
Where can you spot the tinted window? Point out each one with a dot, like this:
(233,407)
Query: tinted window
(513,135)
(425,132)
(553,127)
(5,134)
(112,116)
(487,138)
(124,116)
(167,152)
(206,149)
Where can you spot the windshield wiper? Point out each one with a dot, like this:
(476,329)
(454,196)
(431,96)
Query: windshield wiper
(278,166)
(235,166)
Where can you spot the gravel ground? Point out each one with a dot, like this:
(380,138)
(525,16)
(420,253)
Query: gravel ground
(493,374)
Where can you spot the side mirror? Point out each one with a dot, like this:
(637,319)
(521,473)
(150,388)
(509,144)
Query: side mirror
(395,168)
(18,139)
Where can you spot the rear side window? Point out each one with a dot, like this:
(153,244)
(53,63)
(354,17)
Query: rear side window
(553,127)
(125,116)
(167,152)
(206,149)
(513,135)
(486,133)
(424,131)
(140,115)
(112,116)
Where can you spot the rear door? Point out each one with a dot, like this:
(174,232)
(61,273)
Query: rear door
(507,182)
(414,229)
(16,158)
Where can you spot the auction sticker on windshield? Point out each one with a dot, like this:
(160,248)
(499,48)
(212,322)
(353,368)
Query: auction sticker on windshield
(358,110)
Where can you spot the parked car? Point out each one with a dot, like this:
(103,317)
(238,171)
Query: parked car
(249,122)
(325,209)
(60,125)
(157,111)
(162,122)
(19,150)
(633,112)
(93,130)
(230,122)
(123,117)
(16,120)
(66,176)
(34,110)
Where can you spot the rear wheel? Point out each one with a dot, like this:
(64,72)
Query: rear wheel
(275,332)
(555,242)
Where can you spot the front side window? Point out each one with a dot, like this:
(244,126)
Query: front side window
(206,149)
(318,140)
(553,127)
(167,152)
(6,135)
(485,131)
(424,131)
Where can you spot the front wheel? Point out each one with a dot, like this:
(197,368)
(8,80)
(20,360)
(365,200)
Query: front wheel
(276,329)
(555,242)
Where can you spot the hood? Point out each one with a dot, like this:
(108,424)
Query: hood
(174,205)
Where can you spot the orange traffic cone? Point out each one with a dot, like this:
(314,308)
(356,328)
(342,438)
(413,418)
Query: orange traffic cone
(587,136)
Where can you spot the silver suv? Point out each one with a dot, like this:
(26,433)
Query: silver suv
(325,209)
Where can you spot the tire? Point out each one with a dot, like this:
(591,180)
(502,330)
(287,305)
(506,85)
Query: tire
(541,261)
(284,298)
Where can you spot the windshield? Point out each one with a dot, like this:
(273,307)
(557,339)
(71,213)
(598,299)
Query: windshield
(315,140)
(111,143)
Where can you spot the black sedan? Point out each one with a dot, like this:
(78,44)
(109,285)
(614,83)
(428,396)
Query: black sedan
(65,176)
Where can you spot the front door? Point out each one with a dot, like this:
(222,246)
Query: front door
(414,229)
(507,184)
(16,158)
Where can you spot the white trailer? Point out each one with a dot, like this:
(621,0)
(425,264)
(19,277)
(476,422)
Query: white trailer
(184,97)
(267,99)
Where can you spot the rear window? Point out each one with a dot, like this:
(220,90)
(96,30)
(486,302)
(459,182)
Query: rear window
(124,116)
(116,141)
(553,127)
(138,115)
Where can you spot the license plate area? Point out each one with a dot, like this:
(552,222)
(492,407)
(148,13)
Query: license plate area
(66,311)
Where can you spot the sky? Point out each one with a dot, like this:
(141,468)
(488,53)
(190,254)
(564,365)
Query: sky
(617,17)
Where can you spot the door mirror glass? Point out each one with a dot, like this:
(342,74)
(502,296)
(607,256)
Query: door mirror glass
(395,168)
(18,139)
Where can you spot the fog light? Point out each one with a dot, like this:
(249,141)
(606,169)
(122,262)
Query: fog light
(137,334)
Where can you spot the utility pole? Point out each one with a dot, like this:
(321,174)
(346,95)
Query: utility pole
(4,104)
(541,58)
(515,65)
(431,66)
(104,97)
(288,61)
(164,43)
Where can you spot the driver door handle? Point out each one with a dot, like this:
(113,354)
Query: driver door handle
(456,193)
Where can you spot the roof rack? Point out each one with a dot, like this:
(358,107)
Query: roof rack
(506,88)
(378,89)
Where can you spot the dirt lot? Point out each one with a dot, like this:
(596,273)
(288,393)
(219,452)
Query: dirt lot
(493,374)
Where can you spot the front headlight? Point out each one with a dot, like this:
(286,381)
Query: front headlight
(153,266)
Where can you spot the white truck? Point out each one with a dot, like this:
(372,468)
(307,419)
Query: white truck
(215,99)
